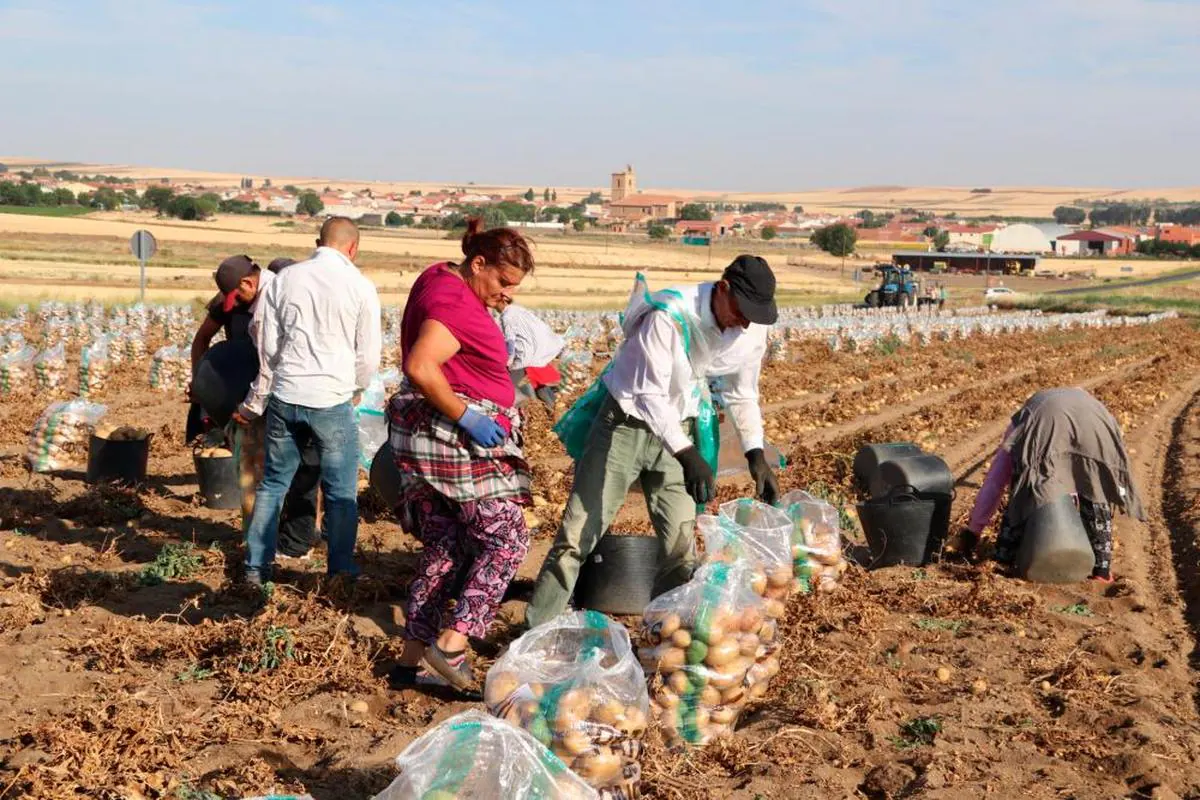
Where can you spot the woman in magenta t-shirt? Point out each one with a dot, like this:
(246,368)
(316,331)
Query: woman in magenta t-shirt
(455,437)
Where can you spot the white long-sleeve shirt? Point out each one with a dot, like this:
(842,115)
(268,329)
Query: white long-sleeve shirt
(531,342)
(317,330)
(652,379)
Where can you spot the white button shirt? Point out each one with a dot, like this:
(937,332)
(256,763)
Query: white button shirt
(652,379)
(317,330)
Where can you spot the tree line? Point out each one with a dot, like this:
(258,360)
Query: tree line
(1103,214)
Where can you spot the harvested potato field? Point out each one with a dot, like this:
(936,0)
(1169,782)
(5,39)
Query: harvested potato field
(133,666)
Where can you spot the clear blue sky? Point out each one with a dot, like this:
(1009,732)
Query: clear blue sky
(748,95)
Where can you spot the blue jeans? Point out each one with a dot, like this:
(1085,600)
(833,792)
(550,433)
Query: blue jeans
(333,432)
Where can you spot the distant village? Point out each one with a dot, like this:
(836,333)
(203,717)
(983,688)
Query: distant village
(626,209)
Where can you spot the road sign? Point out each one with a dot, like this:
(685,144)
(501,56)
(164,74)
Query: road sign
(143,245)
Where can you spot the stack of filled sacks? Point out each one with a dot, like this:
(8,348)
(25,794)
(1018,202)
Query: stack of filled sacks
(574,684)
(816,541)
(700,645)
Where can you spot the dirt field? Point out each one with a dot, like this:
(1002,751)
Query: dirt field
(113,687)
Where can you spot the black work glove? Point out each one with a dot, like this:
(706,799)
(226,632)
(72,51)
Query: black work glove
(968,541)
(766,486)
(697,475)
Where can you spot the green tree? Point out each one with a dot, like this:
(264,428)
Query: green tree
(593,199)
(392,219)
(797,209)
(769,232)
(206,205)
(291,189)
(554,196)
(64,197)
(657,231)
(1069,215)
(930,231)
(837,239)
(546,195)
(579,224)
(940,240)
(159,198)
(310,204)
(694,211)
(529,194)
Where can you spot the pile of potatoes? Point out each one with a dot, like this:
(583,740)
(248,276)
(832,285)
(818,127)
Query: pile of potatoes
(123,433)
(707,647)
(214,452)
(59,438)
(575,685)
(816,541)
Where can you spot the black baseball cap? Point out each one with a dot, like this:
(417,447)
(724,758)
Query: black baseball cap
(279,263)
(229,274)
(753,284)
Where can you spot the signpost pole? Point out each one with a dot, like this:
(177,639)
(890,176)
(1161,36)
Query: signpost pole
(142,282)
(143,245)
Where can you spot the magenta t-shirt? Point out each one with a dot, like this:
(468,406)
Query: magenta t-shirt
(479,369)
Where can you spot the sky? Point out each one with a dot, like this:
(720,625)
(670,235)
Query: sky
(754,95)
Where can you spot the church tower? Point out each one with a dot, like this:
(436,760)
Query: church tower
(624,184)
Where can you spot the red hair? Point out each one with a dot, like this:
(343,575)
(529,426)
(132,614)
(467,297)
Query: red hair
(497,247)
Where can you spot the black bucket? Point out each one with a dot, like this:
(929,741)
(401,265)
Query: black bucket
(930,479)
(869,457)
(900,529)
(117,461)
(1054,546)
(385,476)
(223,378)
(219,482)
(618,576)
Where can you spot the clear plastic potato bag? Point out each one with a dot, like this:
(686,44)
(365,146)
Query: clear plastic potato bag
(760,534)
(575,685)
(93,367)
(700,647)
(59,437)
(816,541)
(15,369)
(472,756)
(50,368)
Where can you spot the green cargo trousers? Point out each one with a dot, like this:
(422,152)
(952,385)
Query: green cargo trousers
(620,450)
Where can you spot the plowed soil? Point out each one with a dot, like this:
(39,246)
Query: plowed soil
(114,686)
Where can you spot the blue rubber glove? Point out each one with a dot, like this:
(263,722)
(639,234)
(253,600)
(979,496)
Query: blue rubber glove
(485,431)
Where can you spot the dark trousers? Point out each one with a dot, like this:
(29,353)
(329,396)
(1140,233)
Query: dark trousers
(298,521)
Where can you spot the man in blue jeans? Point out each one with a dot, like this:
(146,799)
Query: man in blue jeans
(318,350)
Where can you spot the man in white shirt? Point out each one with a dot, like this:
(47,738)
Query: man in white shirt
(532,347)
(643,429)
(318,348)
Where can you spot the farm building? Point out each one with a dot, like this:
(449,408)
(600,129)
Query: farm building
(1022,238)
(1093,243)
(638,207)
(1182,234)
(986,263)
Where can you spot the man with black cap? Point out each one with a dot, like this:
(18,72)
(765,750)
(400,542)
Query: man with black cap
(674,341)
(240,283)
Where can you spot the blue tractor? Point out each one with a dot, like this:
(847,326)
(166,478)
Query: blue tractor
(896,287)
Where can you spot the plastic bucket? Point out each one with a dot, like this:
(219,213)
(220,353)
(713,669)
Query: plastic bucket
(930,479)
(117,461)
(900,529)
(219,482)
(223,378)
(617,577)
(869,457)
(1055,547)
(385,476)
